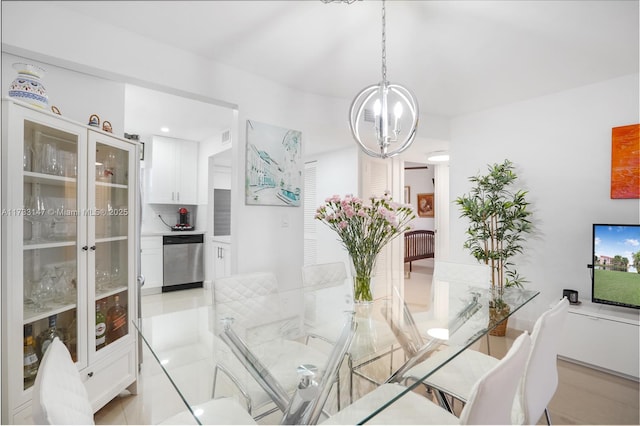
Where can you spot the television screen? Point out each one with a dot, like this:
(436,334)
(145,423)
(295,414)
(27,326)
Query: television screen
(616,264)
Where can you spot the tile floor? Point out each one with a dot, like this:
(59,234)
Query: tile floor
(584,395)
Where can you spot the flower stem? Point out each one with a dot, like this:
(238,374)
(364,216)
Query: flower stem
(362,288)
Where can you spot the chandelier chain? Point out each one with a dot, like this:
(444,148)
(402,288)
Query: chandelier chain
(384,43)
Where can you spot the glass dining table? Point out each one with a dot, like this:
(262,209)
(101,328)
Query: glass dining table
(270,365)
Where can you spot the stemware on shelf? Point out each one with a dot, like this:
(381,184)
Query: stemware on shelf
(49,158)
(115,276)
(43,291)
(27,158)
(36,214)
(64,290)
(103,279)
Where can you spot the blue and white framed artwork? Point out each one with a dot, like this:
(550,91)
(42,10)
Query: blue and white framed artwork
(274,165)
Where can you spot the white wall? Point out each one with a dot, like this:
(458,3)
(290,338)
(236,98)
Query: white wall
(561,147)
(336,173)
(420,181)
(207,148)
(76,95)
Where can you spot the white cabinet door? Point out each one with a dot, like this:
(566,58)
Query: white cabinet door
(601,341)
(151,262)
(173,176)
(222,259)
(187,178)
(162,175)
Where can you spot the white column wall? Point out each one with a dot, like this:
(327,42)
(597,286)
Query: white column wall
(443,207)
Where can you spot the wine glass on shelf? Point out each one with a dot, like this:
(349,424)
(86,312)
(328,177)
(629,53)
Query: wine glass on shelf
(62,226)
(103,279)
(49,160)
(115,276)
(35,213)
(64,290)
(43,291)
(110,167)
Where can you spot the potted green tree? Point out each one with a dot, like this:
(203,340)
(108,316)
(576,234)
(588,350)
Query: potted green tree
(498,221)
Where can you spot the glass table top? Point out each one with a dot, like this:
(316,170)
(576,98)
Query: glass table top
(288,338)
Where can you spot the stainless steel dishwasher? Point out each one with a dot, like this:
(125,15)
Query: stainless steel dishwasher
(183,262)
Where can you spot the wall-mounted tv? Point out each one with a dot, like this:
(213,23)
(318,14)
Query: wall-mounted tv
(616,265)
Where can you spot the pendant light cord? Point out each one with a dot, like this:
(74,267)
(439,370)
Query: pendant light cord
(384,44)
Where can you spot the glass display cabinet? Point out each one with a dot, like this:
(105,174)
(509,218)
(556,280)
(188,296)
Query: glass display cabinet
(68,253)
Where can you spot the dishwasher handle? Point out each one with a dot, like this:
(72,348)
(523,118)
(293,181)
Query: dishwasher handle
(182,239)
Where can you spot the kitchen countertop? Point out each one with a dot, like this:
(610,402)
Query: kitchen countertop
(168,232)
(222,239)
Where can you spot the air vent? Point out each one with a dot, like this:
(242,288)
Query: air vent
(225,138)
(369,116)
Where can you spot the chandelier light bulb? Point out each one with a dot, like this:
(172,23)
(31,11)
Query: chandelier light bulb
(398,110)
(377,107)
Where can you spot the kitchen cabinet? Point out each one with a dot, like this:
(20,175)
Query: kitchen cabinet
(222,259)
(174,173)
(151,263)
(68,248)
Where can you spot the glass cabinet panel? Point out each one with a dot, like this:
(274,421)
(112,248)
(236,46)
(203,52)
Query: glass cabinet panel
(112,198)
(50,252)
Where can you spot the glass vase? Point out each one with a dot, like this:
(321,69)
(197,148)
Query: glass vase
(362,288)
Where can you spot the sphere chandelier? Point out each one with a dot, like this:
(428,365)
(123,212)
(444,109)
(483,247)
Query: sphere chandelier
(392,109)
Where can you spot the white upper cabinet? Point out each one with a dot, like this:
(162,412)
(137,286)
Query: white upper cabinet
(173,176)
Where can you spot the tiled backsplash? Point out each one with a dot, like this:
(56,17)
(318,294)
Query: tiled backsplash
(169,212)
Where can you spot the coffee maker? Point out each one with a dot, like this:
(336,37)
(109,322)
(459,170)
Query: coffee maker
(183,221)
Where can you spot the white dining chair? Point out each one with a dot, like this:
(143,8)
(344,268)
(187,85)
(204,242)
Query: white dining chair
(490,400)
(445,276)
(270,321)
(539,381)
(59,396)
(327,293)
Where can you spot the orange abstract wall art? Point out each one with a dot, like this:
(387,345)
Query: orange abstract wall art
(625,161)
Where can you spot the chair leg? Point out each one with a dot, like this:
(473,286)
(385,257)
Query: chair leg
(488,345)
(338,390)
(350,364)
(443,401)
(546,414)
(215,379)
(235,381)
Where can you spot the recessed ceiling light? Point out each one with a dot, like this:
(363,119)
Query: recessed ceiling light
(438,156)
(164,129)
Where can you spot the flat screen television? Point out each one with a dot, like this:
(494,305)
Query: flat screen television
(616,262)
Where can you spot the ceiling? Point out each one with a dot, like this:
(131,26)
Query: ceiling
(147,111)
(457,56)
